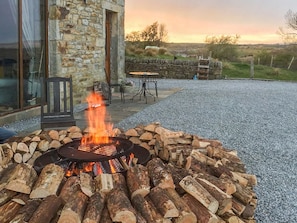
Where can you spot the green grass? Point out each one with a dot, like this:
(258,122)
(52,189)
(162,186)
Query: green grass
(243,70)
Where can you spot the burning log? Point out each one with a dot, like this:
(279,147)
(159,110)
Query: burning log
(163,203)
(120,207)
(94,208)
(47,210)
(138,181)
(48,182)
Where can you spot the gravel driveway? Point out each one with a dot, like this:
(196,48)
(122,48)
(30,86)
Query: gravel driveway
(256,118)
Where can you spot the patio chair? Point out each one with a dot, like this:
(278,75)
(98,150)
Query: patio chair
(56,103)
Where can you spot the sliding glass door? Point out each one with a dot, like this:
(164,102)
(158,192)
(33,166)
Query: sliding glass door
(22,50)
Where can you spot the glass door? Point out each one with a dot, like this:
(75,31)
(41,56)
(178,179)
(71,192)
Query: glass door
(9,55)
(22,50)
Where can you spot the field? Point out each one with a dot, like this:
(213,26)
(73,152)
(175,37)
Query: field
(270,61)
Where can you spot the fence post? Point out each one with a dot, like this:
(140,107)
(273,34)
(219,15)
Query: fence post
(290,64)
(252,68)
(271,62)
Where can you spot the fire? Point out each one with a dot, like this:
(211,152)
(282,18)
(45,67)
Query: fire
(99,130)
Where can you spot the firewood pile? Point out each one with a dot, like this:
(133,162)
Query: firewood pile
(188,179)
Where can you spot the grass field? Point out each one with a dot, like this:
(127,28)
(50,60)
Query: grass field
(243,70)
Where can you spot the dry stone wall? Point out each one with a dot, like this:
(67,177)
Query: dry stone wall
(177,69)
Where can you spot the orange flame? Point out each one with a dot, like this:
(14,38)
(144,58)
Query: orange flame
(99,129)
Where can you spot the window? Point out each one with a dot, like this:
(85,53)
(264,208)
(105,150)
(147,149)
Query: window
(22,50)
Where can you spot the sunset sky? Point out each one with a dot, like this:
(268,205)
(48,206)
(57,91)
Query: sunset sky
(191,21)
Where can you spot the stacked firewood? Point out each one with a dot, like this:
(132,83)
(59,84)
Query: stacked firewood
(187,179)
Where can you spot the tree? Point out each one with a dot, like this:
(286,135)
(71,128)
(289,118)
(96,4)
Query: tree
(154,35)
(223,47)
(289,35)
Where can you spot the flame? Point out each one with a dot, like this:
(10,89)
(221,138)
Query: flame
(99,130)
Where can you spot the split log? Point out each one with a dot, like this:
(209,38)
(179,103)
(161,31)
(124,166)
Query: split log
(190,185)
(163,203)
(159,174)
(225,200)
(32,147)
(22,178)
(238,178)
(146,209)
(243,194)
(6,195)
(6,154)
(252,179)
(249,212)
(48,181)
(94,208)
(43,145)
(54,134)
(120,207)
(220,153)
(185,213)
(197,166)
(22,147)
(10,209)
(74,209)
(70,188)
(6,174)
(224,184)
(26,212)
(203,215)
(104,182)
(234,166)
(231,217)
(237,207)
(177,174)
(203,158)
(47,210)
(138,180)
(87,184)
(18,158)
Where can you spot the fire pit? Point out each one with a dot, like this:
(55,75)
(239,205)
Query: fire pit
(70,157)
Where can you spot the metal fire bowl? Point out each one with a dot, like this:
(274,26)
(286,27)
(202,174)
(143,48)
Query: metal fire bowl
(70,151)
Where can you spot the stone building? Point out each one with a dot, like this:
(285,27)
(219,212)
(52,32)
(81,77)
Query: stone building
(83,39)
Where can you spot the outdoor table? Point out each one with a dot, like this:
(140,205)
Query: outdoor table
(144,79)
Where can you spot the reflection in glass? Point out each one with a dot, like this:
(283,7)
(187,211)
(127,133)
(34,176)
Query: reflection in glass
(9,75)
(20,88)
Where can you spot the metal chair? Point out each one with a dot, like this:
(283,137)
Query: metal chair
(56,103)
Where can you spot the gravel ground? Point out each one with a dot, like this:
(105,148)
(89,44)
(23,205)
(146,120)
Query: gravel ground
(256,118)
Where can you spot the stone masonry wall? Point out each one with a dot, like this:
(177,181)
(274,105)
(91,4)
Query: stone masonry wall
(176,69)
(77,41)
